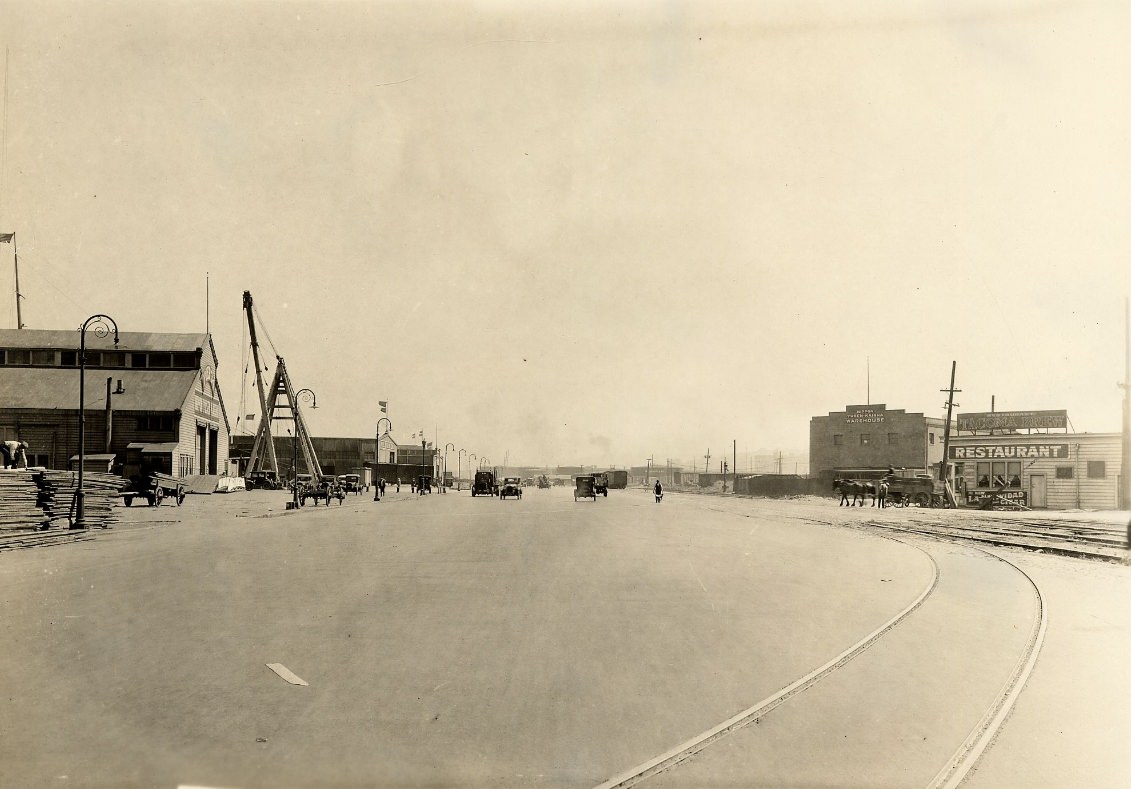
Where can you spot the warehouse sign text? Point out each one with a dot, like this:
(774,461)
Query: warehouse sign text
(1010,451)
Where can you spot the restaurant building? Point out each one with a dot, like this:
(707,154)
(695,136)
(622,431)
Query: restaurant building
(1031,458)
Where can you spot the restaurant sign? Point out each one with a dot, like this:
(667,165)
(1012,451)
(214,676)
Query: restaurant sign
(1009,451)
(863,414)
(1013,420)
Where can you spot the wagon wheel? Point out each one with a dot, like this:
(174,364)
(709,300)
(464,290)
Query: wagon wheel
(180,495)
(922,499)
(157,498)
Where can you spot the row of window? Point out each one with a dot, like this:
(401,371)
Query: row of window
(1008,473)
(866,439)
(160,360)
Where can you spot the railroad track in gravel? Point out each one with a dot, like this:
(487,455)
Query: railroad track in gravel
(964,758)
(1083,541)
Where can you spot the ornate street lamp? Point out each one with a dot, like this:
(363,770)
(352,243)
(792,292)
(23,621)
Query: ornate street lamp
(101,325)
(459,468)
(443,489)
(301,394)
(377,456)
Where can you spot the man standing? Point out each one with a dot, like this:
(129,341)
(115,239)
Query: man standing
(14,454)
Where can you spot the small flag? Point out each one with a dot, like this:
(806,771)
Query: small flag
(6,237)
(384,406)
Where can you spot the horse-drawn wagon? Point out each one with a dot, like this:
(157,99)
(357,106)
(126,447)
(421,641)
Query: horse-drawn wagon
(325,489)
(922,490)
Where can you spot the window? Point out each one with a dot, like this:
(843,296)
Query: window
(156,423)
(1013,471)
(138,360)
(160,360)
(838,440)
(931,438)
(983,479)
(17,356)
(893,438)
(43,358)
(184,360)
(865,439)
(114,359)
(69,358)
(1064,472)
(1096,469)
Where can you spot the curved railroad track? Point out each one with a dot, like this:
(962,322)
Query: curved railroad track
(966,756)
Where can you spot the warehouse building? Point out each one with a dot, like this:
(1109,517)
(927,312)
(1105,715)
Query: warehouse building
(863,441)
(151,402)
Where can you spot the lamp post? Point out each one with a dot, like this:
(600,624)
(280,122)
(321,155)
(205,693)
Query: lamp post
(301,394)
(453,446)
(377,456)
(423,456)
(101,325)
(459,468)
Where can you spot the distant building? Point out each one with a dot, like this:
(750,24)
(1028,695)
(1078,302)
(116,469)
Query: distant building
(865,440)
(151,400)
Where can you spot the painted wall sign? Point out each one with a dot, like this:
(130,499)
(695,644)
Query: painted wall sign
(1013,420)
(862,414)
(1006,451)
(1016,496)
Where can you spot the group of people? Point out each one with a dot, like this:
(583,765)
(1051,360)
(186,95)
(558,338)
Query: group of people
(14,454)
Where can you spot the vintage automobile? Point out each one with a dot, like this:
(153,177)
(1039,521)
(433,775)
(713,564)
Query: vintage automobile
(325,489)
(262,480)
(484,484)
(543,482)
(512,486)
(351,483)
(584,487)
(302,480)
(154,488)
(601,483)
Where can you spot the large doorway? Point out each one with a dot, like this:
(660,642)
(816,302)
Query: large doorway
(1037,491)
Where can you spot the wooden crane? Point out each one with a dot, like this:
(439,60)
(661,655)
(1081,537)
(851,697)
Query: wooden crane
(263,462)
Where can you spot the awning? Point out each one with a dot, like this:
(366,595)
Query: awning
(154,449)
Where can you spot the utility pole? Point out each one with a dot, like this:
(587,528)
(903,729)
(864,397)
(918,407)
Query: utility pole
(1125,465)
(707,465)
(950,404)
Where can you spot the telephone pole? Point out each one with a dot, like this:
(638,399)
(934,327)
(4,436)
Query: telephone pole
(950,404)
(1125,463)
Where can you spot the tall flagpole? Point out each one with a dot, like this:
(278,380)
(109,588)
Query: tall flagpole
(16,257)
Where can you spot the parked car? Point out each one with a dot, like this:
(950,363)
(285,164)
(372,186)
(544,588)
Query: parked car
(512,486)
(350,483)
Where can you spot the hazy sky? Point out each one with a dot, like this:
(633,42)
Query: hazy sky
(589,232)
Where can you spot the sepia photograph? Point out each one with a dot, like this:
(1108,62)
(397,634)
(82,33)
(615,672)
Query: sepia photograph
(495,394)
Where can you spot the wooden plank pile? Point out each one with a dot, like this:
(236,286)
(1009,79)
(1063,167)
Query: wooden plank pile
(57,497)
(19,496)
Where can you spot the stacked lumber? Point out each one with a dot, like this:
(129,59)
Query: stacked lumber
(57,497)
(19,510)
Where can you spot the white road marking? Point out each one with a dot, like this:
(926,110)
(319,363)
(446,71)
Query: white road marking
(287,674)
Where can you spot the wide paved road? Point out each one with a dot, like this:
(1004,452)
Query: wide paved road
(451,641)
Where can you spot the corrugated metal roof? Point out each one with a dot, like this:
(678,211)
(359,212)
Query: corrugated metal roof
(127,341)
(57,388)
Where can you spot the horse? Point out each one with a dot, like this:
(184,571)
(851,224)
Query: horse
(859,490)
